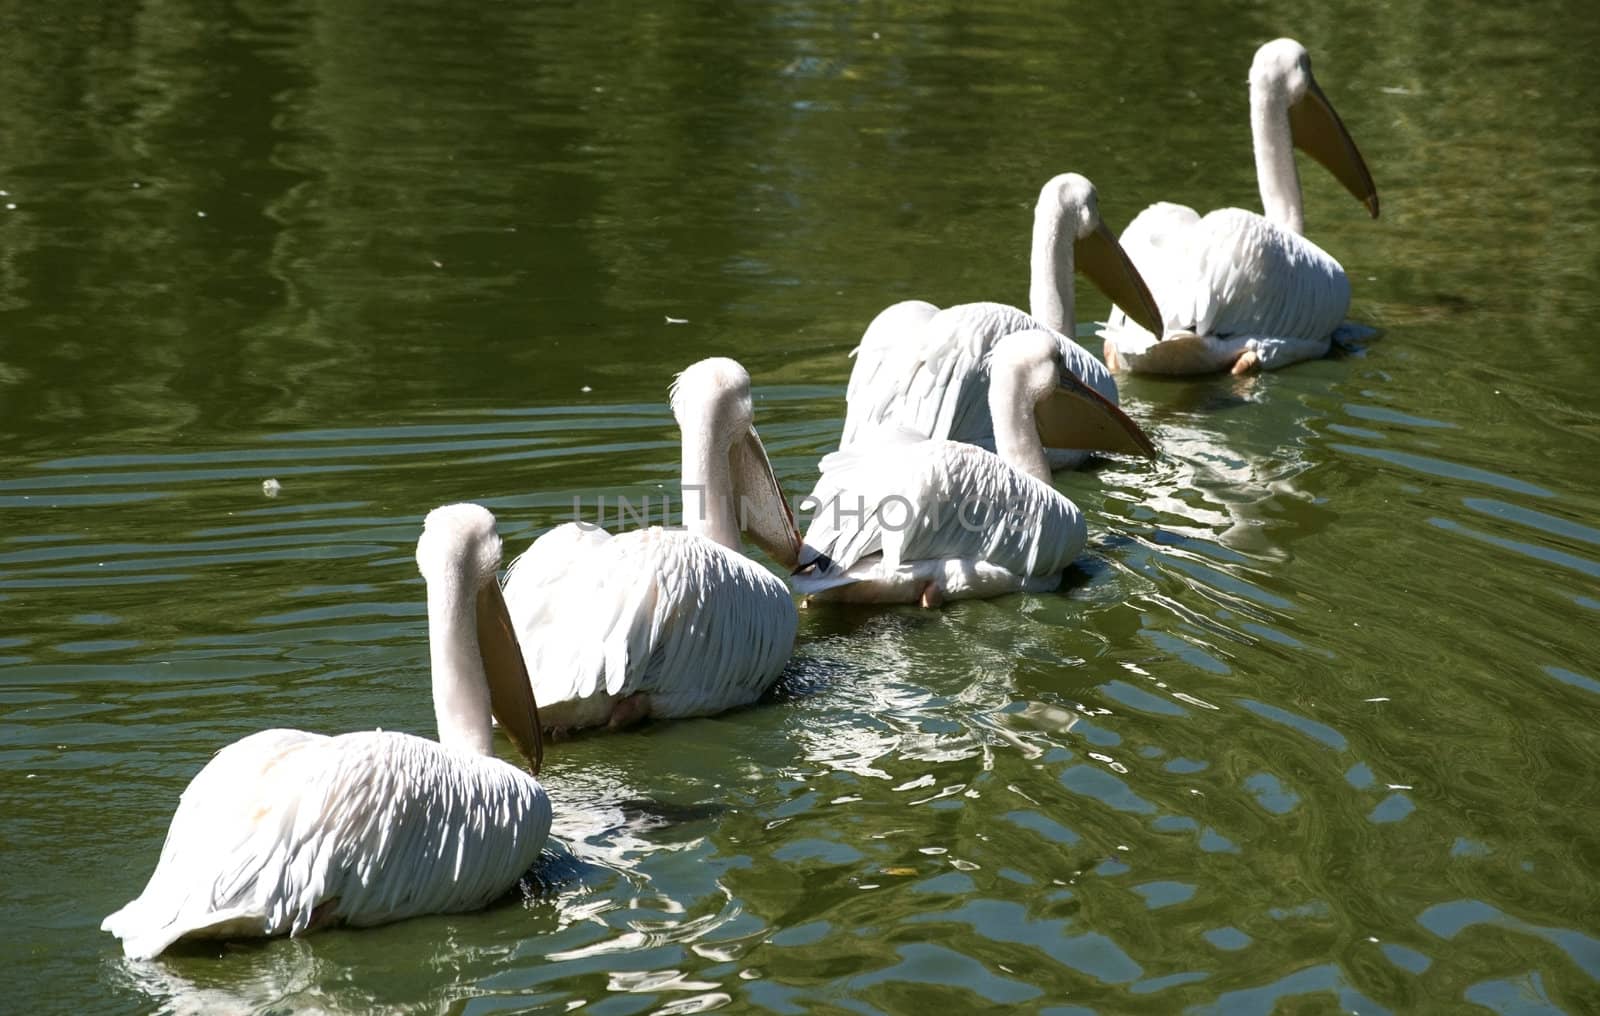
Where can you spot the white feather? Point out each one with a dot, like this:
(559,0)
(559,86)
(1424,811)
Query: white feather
(927,370)
(889,517)
(1235,283)
(931,377)
(696,627)
(680,619)
(1225,283)
(284,829)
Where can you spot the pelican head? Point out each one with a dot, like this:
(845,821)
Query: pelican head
(1069,209)
(458,555)
(459,544)
(1281,73)
(1026,381)
(728,481)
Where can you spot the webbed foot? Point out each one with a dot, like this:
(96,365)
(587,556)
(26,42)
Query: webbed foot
(626,712)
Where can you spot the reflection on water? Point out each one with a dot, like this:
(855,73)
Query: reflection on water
(287,977)
(1309,726)
(1149,786)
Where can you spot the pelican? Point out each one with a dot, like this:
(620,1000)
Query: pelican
(923,370)
(1237,290)
(285,831)
(660,622)
(906,519)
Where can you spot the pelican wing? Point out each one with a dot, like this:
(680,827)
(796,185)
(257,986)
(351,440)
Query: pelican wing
(930,374)
(697,627)
(1232,275)
(1158,242)
(543,588)
(935,500)
(284,828)
(926,380)
(894,327)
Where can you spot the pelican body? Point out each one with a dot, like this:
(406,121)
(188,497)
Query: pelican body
(286,831)
(925,371)
(658,622)
(1239,290)
(909,519)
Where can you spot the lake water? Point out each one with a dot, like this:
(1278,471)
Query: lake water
(1314,728)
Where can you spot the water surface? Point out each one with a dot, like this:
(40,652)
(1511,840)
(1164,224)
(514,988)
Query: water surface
(1312,728)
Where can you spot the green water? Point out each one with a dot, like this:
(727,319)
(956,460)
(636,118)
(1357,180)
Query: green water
(1313,729)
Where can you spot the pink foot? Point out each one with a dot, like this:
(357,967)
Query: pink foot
(628,711)
(1247,362)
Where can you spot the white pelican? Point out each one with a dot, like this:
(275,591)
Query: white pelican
(1239,290)
(287,831)
(922,369)
(906,519)
(661,622)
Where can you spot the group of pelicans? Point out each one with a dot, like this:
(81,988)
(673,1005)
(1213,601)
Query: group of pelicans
(941,489)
